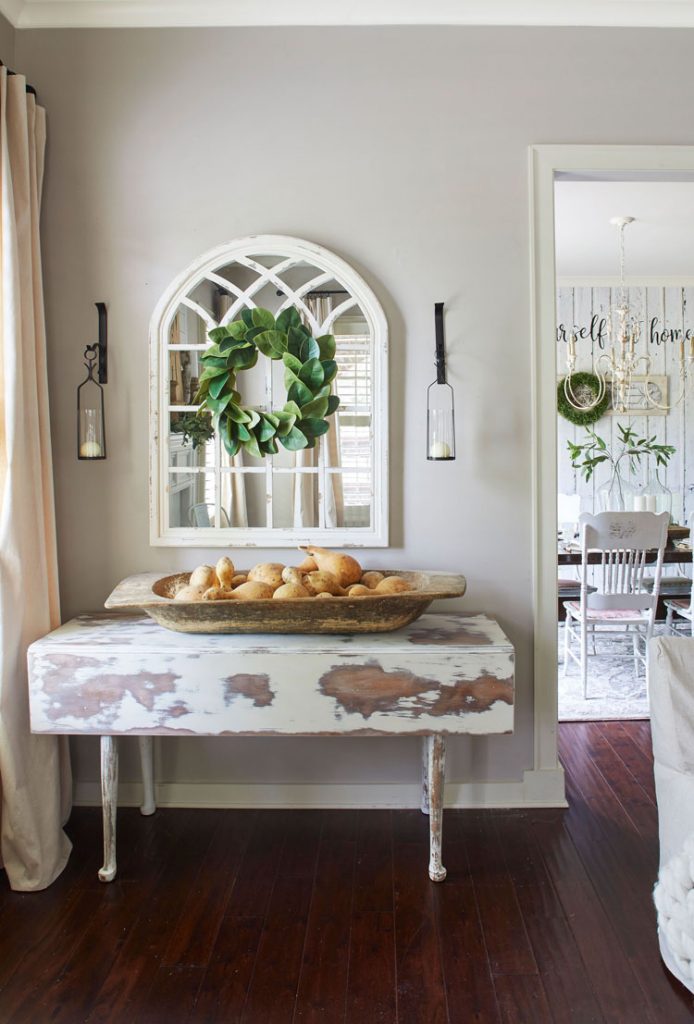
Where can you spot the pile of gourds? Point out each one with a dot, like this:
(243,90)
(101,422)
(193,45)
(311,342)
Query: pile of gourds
(322,574)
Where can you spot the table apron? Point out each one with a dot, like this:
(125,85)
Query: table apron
(270,693)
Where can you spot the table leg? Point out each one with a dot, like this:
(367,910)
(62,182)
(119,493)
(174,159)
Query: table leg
(109,803)
(425,775)
(146,760)
(436,748)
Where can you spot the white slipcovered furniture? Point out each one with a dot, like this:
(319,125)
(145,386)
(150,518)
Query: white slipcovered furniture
(671,690)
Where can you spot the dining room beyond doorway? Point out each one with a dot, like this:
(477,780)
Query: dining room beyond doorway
(625,413)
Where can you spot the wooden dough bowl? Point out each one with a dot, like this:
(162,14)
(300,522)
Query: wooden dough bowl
(379,613)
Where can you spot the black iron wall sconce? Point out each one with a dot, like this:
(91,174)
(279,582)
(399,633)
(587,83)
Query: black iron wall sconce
(91,425)
(440,412)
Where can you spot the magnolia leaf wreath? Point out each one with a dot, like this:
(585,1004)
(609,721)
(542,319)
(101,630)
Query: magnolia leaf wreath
(309,370)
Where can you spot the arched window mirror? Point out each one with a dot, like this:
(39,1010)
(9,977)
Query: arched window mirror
(334,494)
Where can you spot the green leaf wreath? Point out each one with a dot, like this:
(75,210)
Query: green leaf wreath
(310,369)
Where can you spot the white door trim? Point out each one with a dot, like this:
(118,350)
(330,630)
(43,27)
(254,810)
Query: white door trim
(545,162)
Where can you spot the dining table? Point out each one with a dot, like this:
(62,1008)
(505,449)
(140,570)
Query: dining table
(570,555)
(673,555)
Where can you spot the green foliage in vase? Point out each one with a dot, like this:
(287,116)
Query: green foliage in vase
(195,428)
(309,371)
(594,451)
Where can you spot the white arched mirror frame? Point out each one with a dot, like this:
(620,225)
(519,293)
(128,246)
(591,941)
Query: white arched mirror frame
(330,267)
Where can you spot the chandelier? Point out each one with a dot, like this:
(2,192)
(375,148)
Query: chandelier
(618,367)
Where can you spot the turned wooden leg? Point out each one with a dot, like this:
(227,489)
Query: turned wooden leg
(425,774)
(109,802)
(436,747)
(146,760)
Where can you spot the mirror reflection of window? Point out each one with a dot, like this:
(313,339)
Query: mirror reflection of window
(354,386)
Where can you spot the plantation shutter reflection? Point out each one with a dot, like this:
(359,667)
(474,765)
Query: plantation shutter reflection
(354,385)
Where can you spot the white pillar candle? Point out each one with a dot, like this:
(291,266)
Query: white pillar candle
(439,450)
(90,450)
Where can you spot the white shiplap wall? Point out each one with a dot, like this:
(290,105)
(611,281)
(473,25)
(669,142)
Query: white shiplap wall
(674,308)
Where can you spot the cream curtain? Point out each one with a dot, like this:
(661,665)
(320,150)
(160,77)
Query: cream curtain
(306,484)
(34,770)
(233,496)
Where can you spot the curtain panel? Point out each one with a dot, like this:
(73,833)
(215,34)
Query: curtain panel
(34,770)
(306,485)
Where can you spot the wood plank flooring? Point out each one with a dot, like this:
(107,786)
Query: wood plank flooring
(276,917)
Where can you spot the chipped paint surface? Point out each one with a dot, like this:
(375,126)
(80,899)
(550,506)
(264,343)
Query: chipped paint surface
(111,674)
(466,635)
(255,687)
(436,771)
(368,688)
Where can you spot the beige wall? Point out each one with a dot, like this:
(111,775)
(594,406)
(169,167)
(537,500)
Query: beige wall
(405,151)
(7,41)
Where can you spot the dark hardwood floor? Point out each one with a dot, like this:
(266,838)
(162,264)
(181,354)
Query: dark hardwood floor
(274,917)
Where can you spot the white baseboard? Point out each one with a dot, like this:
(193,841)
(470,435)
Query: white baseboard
(537,789)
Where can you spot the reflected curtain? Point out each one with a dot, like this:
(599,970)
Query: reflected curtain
(34,770)
(306,484)
(233,486)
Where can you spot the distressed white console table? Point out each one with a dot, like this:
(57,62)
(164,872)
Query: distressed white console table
(113,675)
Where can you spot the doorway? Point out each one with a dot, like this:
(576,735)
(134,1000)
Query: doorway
(550,165)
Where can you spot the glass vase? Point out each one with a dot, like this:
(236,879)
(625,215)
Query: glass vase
(617,495)
(654,496)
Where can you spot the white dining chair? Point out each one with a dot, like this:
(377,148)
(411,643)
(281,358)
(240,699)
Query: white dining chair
(620,604)
(199,515)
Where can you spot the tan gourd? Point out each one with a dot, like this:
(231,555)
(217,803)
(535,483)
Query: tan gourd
(254,590)
(324,593)
(203,576)
(372,579)
(290,590)
(293,575)
(225,572)
(239,578)
(344,568)
(358,590)
(218,594)
(189,593)
(322,582)
(308,565)
(267,572)
(393,585)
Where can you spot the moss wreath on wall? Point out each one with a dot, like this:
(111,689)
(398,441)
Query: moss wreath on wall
(310,369)
(582,383)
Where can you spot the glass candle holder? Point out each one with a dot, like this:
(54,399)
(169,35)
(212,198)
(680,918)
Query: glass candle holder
(91,430)
(440,423)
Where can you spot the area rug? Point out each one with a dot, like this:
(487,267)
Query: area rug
(614,692)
